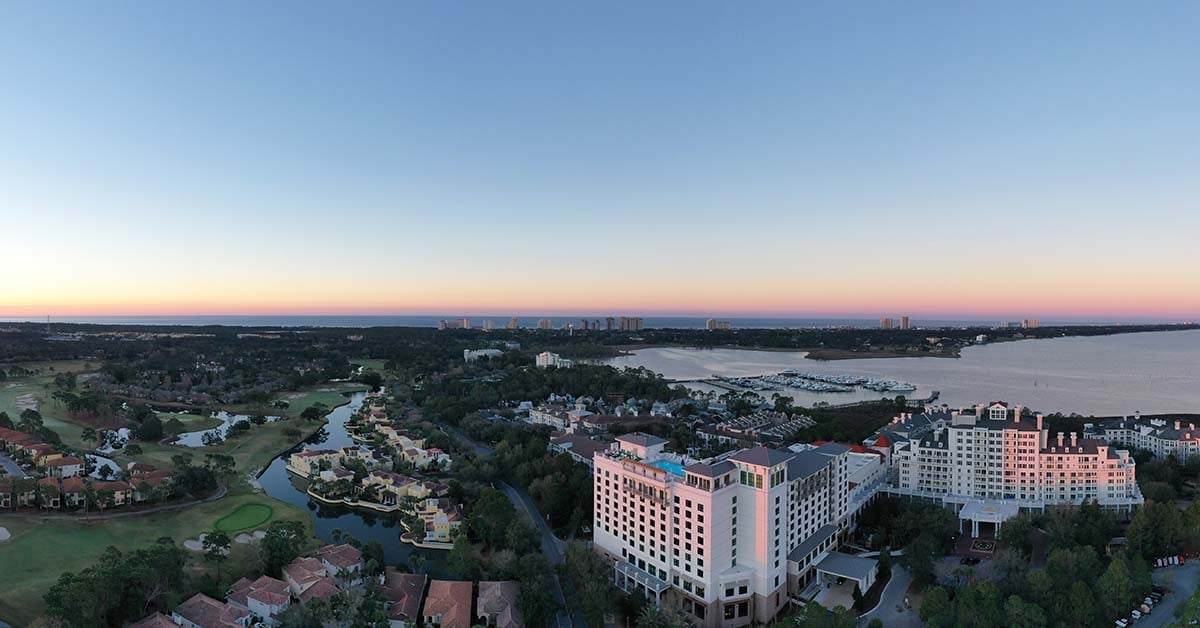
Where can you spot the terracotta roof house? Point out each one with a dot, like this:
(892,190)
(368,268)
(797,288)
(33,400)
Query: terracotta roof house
(266,597)
(65,467)
(402,594)
(74,495)
(341,558)
(201,611)
(25,492)
(322,589)
(302,573)
(157,620)
(496,605)
(122,492)
(6,494)
(49,494)
(448,604)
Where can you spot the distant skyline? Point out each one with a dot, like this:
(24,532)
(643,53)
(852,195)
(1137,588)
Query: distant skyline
(933,159)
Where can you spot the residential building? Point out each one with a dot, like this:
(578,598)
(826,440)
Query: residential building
(993,461)
(904,322)
(547,359)
(402,594)
(632,323)
(65,467)
(448,604)
(201,611)
(513,323)
(441,516)
(343,562)
(265,597)
(545,324)
(471,355)
(610,324)
(1162,436)
(885,323)
(496,605)
(713,324)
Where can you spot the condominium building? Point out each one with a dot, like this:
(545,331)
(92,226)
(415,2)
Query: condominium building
(885,323)
(513,323)
(992,462)
(632,323)
(903,322)
(547,359)
(712,324)
(730,541)
(545,324)
(1160,435)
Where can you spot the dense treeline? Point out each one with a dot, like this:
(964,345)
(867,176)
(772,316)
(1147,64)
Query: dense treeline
(453,398)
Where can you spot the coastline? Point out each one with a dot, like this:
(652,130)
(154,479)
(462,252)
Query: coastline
(819,353)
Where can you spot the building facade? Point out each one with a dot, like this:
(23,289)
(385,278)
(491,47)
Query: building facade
(728,542)
(1001,456)
(1162,436)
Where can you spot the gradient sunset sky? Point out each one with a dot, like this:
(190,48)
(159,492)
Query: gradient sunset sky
(940,159)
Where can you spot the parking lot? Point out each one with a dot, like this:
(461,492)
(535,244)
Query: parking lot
(12,469)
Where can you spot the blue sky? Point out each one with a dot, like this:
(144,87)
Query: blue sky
(940,158)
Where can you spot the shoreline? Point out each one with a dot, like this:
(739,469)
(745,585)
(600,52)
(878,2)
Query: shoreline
(819,354)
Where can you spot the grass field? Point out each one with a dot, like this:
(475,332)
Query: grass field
(39,551)
(245,517)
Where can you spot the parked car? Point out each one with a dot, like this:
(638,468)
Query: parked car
(1136,615)
(1122,623)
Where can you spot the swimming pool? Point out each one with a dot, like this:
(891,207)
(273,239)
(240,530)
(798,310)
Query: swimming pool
(670,467)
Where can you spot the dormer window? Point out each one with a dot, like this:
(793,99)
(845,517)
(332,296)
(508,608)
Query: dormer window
(997,414)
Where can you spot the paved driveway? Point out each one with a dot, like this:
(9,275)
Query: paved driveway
(890,609)
(10,467)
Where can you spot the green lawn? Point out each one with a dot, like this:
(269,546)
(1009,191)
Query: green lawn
(246,516)
(39,551)
(371,364)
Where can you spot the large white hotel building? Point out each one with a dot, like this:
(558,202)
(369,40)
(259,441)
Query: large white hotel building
(728,542)
(731,541)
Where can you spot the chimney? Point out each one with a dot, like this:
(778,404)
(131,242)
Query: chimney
(1017,413)
(1039,421)
(979,409)
(1176,424)
(1191,426)
(1060,439)
(1073,439)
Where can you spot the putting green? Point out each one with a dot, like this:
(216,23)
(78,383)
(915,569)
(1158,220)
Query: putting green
(245,517)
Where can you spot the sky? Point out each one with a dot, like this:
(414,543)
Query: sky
(941,159)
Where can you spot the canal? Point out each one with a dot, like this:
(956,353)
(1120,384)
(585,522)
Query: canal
(362,525)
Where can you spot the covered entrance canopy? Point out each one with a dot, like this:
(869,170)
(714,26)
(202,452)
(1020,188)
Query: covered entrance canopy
(850,567)
(990,511)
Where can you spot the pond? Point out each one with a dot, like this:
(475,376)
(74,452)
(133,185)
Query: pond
(196,439)
(364,526)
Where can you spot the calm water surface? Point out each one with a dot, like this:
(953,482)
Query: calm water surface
(364,526)
(1104,375)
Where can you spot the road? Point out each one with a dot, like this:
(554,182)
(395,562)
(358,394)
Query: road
(552,547)
(1182,580)
(10,467)
(892,600)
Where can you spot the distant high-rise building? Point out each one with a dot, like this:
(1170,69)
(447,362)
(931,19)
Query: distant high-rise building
(596,325)
(713,323)
(443,325)
(545,323)
(583,324)
(610,323)
(464,323)
(885,323)
(631,323)
(513,324)
(489,325)
(1031,323)
(903,322)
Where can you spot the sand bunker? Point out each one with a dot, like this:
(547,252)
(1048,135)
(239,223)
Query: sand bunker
(4,535)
